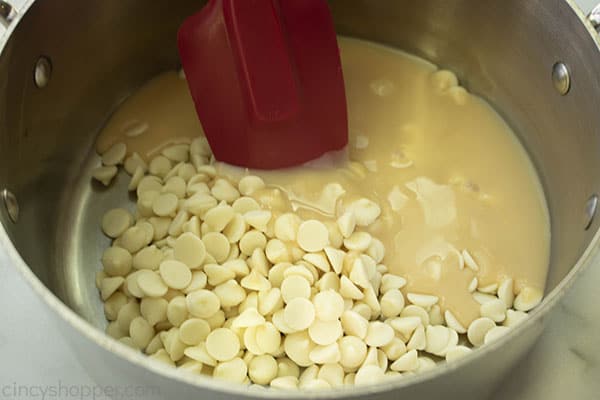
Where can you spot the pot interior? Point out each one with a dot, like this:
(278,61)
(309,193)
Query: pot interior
(100,52)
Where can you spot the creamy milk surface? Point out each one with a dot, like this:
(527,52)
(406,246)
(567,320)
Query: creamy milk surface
(447,172)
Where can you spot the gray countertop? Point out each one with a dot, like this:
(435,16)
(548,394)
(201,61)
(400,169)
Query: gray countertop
(565,363)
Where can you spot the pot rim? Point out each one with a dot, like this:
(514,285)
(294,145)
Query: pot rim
(10,256)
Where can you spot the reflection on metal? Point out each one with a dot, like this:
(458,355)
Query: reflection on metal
(561,78)
(590,210)
(42,72)
(594,17)
(11,204)
(7,13)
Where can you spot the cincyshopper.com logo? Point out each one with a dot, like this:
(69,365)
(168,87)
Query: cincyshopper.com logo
(60,390)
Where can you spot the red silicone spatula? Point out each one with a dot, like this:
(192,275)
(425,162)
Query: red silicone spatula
(266,79)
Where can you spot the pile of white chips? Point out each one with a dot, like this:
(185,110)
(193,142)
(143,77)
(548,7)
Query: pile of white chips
(205,278)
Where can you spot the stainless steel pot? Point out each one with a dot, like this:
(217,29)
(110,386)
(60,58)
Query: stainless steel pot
(66,64)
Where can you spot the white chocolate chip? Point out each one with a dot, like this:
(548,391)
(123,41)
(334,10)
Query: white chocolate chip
(135,162)
(136,178)
(325,354)
(489,289)
(422,300)
(494,310)
(312,236)
(104,174)
(285,382)
(116,261)
(365,211)
(262,369)
(295,286)
(319,260)
(160,166)
(223,190)
(258,219)
(222,344)
(230,293)
(175,274)
(234,370)
(469,261)
(299,313)
(438,338)
(358,241)
(245,204)
(250,184)
(353,351)
(454,323)
(193,331)
(268,338)
(394,349)
(478,329)
(527,299)
(329,305)
(406,362)
(202,303)
(154,310)
(151,283)
(332,374)
(376,250)
(217,245)
(286,227)
(418,340)
(335,258)
(177,152)
(190,250)
(200,354)
(346,224)
(457,352)
(218,217)
(379,334)
(175,185)
(298,347)
(506,292)
(325,332)
(390,282)
(252,240)
(392,303)
(116,221)
(354,324)
(276,251)
(115,155)
(141,332)
(349,290)
(359,274)
(473,284)
(495,333)
(513,318)
(109,286)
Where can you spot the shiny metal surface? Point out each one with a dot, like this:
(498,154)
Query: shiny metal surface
(561,78)
(594,17)
(11,205)
(591,207)
(7,13)
(42,72)
(501,50)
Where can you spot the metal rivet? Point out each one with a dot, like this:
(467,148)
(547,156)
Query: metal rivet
(590,210)
(11,204)
(7,13)
(42,72)
(561,78)
(594,17)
